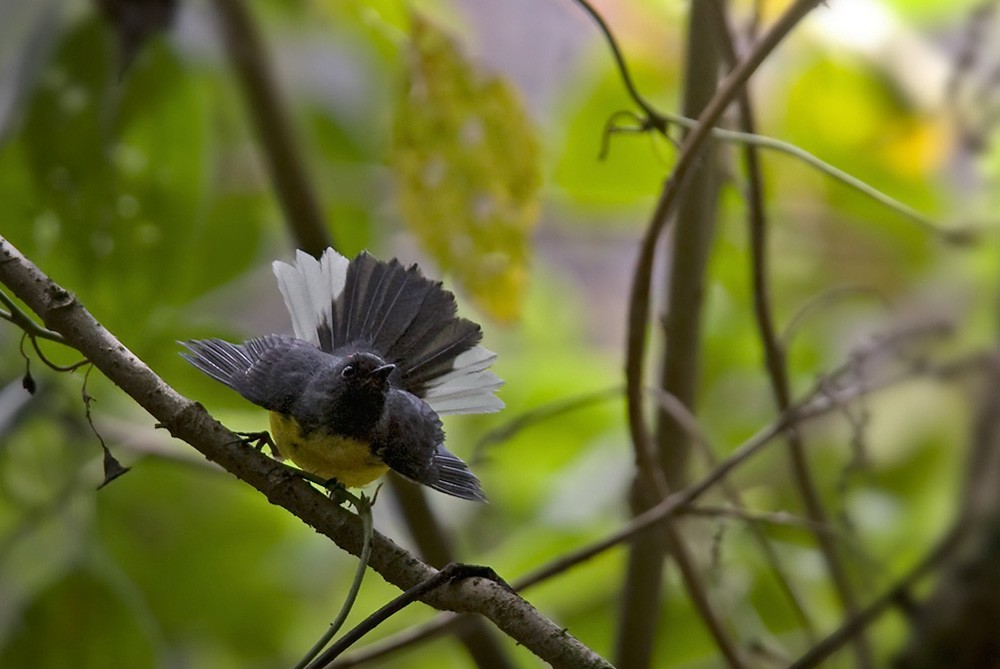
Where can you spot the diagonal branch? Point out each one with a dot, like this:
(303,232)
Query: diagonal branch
(690,424)
(814,404)
(61,312)
(775,359)
(639,298)
(945,548)
(641,600)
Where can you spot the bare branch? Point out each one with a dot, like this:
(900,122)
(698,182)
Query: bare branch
(776,361)
(944,549)
(650,474)
(188,421)
(815,404)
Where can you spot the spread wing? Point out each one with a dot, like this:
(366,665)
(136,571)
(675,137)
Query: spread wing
(252,368)
(399,314)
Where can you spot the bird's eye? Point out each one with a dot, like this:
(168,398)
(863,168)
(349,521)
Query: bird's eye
(349,371)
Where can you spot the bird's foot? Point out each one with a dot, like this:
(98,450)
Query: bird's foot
(258,440)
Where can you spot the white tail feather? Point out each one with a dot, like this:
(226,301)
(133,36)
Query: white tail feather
(309,288)
(469,387)
(481,402)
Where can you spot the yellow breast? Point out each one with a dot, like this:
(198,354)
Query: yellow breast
(350,461)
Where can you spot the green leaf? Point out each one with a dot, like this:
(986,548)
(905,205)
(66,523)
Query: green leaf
(466,159)
(133,176)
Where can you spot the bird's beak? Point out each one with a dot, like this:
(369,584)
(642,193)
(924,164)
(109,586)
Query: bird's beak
(381,374)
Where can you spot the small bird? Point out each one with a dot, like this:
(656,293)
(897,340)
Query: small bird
(378,355)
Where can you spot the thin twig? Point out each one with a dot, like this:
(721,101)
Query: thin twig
(951,235)
(363,506)
(444,623)
(775,359)
(661,121)
(655,118)
(816,403)
(512,427)
(689,422)
(612,127)
(825,299)
(779,518)
(34,332)
(866,616)
(51,365)
(112,468)
(449,574)
(813,405)
(18,317)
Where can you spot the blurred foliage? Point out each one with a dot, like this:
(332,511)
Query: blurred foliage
(149,199)
(467,162)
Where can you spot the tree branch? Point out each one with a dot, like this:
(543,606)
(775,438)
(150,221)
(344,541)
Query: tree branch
(61,312)
(639,301)
(813,405)
(641,601)
(775,360)
(854,625)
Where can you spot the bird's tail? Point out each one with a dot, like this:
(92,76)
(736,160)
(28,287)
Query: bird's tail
(399,314)
(455,478)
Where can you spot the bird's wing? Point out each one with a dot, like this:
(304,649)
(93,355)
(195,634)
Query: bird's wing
(410,441)
(269,371)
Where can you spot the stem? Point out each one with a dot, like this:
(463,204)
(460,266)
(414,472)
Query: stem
(858,622)
(364,508)
(777,368)
(687,420)
(18,317)
(661,122)
(641,602)
(450,573)
(640,292)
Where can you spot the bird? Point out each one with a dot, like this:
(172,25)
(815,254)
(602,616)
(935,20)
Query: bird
(378,355)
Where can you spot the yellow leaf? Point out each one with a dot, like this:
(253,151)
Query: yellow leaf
(466,161)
